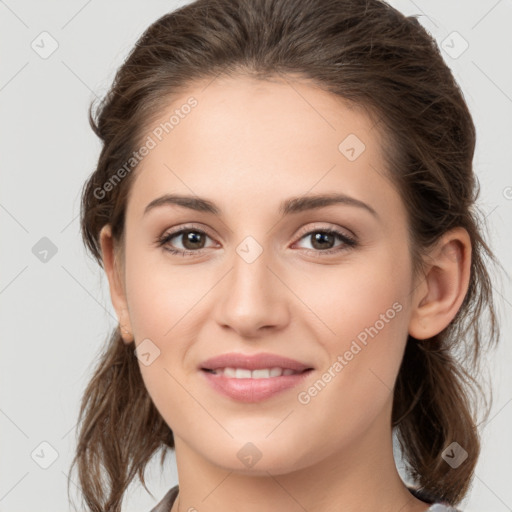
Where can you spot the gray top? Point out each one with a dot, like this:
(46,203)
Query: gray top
(167,501)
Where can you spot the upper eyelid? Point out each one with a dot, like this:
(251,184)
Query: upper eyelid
(316,227)
(180,229)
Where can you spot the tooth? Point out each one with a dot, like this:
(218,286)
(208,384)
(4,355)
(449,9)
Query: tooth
(288,371)
(264,373)
(276,372)
(229,372)
(242,373)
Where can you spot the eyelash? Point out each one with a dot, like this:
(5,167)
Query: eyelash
(348,242)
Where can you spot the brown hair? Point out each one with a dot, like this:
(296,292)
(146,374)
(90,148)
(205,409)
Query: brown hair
(371,55)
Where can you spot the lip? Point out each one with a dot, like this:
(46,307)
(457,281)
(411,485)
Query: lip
(253,390)
(252,362)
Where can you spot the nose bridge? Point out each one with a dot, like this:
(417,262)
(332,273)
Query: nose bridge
(250,275)
(252,296)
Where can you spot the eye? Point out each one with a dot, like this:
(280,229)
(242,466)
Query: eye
(323,238)
(190,237)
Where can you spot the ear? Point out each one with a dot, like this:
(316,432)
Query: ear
(116,285)
(438,297)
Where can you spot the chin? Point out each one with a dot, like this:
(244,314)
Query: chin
(258,460)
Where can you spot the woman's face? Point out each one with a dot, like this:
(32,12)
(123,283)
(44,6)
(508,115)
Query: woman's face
(261,277)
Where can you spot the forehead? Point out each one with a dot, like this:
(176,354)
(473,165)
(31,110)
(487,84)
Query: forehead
(245,141)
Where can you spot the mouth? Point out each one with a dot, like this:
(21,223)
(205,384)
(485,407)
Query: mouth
(253,377)
(249,386)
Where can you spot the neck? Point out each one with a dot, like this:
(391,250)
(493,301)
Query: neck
(362,476)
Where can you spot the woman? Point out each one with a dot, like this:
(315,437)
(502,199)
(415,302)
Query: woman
(284,206)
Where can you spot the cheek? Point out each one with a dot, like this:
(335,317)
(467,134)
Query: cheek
(160,295)
(164,302)
(363,358)
(368,290)
(364,315)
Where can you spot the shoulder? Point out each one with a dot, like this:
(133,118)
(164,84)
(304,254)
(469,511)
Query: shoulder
(165,504)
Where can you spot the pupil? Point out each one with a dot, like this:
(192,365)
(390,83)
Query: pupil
(193,237)
(322,237)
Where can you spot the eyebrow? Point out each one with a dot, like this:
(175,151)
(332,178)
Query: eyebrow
(287,207)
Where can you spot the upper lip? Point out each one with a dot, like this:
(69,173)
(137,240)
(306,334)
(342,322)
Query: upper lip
(253,362)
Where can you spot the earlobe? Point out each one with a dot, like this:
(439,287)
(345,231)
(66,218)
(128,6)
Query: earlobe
(116,286)
(439,296)
(125,326)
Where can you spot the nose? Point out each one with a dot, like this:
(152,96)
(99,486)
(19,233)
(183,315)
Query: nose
(253,298)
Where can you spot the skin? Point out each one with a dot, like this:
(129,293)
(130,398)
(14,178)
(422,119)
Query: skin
(247,146)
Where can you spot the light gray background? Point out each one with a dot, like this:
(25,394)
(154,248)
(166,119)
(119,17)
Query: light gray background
(55,314)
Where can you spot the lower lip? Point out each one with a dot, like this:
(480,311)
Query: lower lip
(253,390)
